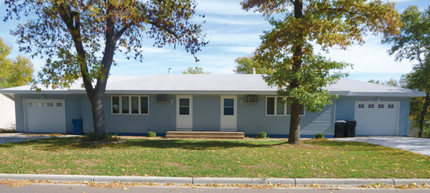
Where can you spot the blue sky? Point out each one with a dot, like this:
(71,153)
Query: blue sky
(233,33)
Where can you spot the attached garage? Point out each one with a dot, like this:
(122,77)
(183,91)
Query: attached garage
(45,116)
(377,117)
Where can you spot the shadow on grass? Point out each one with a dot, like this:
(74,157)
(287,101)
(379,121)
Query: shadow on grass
(56,144)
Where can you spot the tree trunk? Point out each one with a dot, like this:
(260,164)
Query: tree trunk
(423,114)
(96,99)
(294,134)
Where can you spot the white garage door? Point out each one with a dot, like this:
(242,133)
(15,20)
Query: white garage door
(377,117)
(45,115)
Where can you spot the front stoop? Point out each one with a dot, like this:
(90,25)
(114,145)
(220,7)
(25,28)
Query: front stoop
(205,134)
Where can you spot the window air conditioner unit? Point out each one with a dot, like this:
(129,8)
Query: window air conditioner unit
(251,98)
(162,98)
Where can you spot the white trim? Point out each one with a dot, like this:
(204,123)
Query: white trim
(129,105)
(25,114)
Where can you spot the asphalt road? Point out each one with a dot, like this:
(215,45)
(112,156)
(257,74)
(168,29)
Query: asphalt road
(74,188)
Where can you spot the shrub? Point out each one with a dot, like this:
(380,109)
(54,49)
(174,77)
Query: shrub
(319,136)
(151,134)
(262,135)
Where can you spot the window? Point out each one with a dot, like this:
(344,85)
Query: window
(276,106)
(134,105)
(115,105)
(130,105)
(391,106)
(144,105)
(50,104)
(30,104)
(270,106)
(184,106)
(361,106)
(371,106)
(381,106)
(280,106)
(125,105)
(59,104)
(228,106)
(41,104)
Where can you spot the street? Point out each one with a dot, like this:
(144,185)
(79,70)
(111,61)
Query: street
(77,188)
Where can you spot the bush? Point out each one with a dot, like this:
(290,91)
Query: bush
(262,135)
(319,136)
(151,134)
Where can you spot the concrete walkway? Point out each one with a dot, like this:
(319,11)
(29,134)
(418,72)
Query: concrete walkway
(417,145)
(19,137)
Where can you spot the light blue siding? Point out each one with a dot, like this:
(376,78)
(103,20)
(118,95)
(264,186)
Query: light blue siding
(252,119)
(345,109)
(161,118)
(206,111)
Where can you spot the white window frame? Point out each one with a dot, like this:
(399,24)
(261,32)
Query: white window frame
(129,104)
(275,110)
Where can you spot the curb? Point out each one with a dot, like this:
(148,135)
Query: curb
(210,180)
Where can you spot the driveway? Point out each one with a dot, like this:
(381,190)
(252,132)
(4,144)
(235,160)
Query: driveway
(417,145)
(18,137)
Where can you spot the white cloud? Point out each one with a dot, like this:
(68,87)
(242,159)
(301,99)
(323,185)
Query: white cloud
(230,21)
(372,57)
(233,38)
(241,49)
(221,7)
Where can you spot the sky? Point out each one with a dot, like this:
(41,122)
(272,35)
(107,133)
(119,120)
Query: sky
(232,33)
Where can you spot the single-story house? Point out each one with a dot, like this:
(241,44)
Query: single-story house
(210,102)
(7,112)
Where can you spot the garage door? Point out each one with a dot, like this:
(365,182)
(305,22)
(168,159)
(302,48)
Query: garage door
(377,117)
(45,116)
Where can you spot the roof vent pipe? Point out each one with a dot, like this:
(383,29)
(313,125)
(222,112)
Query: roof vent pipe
(170,70)
(253,70)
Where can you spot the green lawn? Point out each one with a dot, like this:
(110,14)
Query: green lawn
(216,158)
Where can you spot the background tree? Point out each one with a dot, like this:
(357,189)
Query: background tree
(391,82)
(414,45)
(195,70)
(16,72)
(79,38)
(288,48)
(245,65)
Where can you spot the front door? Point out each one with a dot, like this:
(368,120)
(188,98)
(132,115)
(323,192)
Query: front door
(184,113)
(228,113)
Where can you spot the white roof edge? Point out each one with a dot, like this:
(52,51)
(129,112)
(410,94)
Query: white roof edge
(391,94)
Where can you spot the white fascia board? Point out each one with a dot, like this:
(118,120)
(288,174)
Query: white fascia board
(387,94)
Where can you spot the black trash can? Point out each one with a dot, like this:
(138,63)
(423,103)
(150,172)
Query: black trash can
(77,126)
(350,128)
(339,128)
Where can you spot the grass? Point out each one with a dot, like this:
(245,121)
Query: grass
(215,158)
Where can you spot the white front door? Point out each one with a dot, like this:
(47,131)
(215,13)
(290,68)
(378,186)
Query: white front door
(377,117)
(45,116)
(228,113)
(184,113)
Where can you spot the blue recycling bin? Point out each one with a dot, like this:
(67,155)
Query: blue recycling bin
(77,127)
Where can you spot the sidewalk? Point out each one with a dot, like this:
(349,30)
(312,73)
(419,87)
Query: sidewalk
(207,180)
